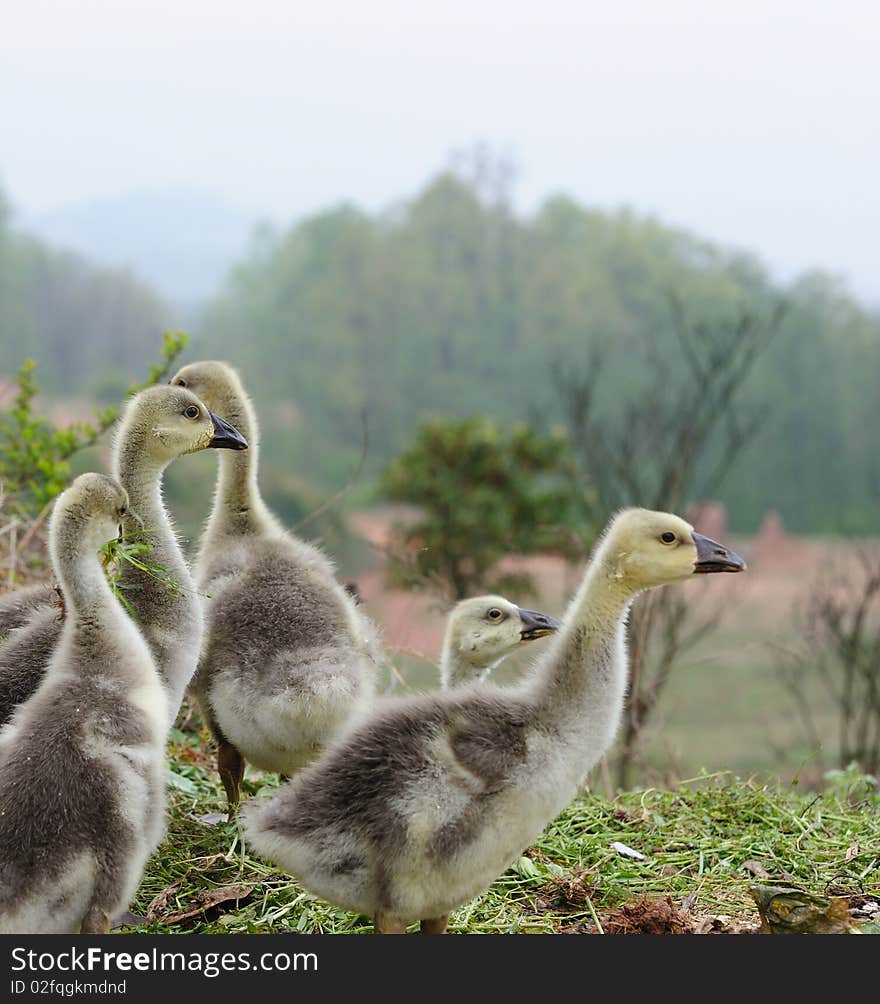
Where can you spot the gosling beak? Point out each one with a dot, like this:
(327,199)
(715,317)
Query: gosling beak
(715,557)
(226,436)
(535,625)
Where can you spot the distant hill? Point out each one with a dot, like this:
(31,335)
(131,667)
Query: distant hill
(92,328)
(181,242)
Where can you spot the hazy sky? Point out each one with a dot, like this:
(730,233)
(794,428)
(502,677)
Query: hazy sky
(753,122)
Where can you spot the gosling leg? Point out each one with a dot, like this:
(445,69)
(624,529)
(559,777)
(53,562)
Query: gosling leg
(434,925)
(95,922)
(384,924)
(230,764)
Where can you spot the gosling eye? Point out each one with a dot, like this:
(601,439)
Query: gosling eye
(122,510)
(180,382)
(192,411)
(668,537)
(494,614)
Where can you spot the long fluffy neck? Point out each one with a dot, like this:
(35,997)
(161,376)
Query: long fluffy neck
(98,640)
(149,521)
(87,594)
(165,604)
(580,684)
(238,506)
(456,669)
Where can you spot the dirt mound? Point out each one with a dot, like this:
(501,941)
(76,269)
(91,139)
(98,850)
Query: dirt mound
(572,891)
(647,916)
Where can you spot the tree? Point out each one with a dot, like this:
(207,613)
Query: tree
(451,302)
(671,440)
(840,627)
(87,324)
(482,493)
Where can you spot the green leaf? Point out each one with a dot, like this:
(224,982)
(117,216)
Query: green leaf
(180,782)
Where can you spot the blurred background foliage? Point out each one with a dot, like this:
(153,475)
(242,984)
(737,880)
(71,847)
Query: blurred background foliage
(450,304)
(521,376)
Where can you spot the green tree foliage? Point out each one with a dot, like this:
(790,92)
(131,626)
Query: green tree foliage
(482,492)
(451,304)
(89,327)
(35,456)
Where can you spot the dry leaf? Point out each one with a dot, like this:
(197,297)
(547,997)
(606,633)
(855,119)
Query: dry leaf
(205,900)
(688,903)
(707,924)
(160,901)
(755,868)
(722,924)
(853,851)
(786,910)
(624,817)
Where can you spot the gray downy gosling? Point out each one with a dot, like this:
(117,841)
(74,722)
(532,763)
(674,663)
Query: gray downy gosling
(289,660)
(157,426)
(19,606)
(82,776)
(482,632)
(422,806)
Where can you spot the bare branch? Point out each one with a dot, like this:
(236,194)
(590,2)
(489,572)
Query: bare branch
(841,622)
(654,449)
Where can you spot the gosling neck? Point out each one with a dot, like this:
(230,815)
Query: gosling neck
(456,669)
(583,676)
(141,476)
(87,594)
(238,506)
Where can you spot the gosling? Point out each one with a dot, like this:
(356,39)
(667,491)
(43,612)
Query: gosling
(158,425)
(422,806)
(288,660)
(482,632)
(82,785)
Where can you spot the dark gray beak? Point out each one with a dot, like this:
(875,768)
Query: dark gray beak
(226,436)
(715,557)
(535,625)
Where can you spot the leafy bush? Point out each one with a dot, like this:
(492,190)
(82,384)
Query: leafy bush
(35,456)
(483,493)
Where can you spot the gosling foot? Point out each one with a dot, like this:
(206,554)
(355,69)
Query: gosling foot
(434,925)
(385,924)
(95,922)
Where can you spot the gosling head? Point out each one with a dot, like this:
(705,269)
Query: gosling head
(169,422)
(648,549)
(213,381)
(89,513)
(484,630)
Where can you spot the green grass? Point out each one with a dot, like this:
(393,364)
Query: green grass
(696,839)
